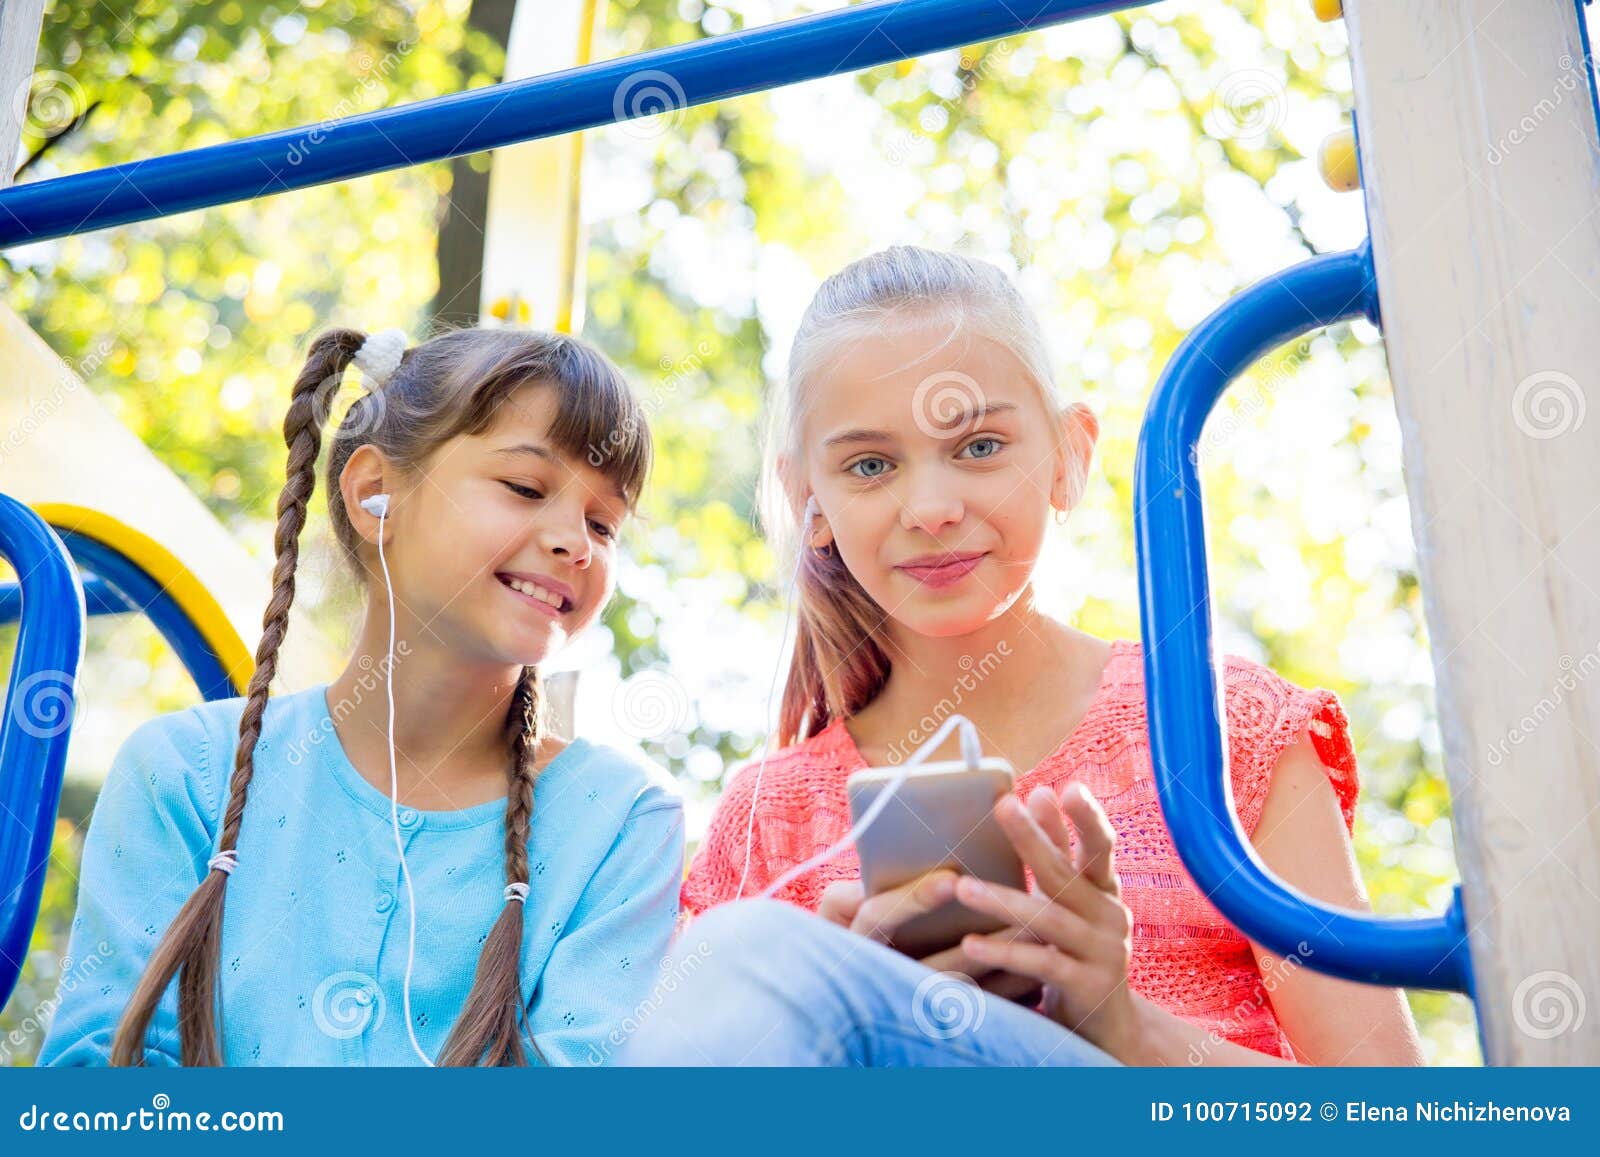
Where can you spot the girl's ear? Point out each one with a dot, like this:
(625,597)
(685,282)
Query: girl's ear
(818,534)
(1080,429)
(814,533)
(793,490)
(365,474)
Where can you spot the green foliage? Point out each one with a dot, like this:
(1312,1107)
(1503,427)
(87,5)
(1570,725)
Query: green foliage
(1091,158)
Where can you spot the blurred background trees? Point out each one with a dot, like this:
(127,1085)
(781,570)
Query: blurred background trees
(1132,171)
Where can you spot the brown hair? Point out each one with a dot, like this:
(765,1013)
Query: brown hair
(838,665)
(449,386)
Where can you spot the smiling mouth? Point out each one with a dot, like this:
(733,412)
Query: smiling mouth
(944,574)
(549,600)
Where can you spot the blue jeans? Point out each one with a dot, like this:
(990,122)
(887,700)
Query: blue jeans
(759,982)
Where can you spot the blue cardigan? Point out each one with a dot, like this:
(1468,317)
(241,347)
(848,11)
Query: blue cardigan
(315,930)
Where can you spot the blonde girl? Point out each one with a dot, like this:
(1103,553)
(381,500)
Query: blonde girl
(919,414)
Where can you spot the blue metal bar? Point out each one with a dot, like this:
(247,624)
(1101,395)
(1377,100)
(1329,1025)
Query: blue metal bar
(123,588)
(1186,748)
(853,38)
(100,597)
(37,723)
(140,593)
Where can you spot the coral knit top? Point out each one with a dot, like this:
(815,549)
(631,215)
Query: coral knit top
(1186,957)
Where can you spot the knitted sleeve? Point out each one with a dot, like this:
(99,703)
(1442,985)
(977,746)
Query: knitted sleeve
(1267,714)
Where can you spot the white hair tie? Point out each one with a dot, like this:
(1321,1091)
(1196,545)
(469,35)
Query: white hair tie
(379,356)
(227,861)
(517,892)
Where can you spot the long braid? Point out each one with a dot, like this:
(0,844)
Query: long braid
(453,386)
(191,949)
(492,1023)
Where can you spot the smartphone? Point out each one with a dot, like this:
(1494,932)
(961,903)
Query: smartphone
(941,816)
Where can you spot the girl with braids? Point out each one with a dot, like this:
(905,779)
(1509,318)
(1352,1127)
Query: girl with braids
(921,416)
(545,872)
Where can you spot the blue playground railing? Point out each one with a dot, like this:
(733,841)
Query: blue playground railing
(119,586)
(99,597)
(604,93)
(37,723)
(1181,689)
(42,698)
(41,708)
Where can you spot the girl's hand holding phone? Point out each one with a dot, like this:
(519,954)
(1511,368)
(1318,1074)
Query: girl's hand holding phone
(876,917)
(846,903)
(1073,933)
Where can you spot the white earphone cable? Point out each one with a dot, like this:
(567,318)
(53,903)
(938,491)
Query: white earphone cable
(788,615)
(394,797)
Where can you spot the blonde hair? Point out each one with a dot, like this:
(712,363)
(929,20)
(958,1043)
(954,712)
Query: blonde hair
(451,385)
(838,666)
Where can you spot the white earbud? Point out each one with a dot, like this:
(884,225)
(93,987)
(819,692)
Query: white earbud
(377,505)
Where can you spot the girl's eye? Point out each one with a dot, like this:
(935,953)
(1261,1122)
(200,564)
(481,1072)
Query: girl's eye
(521,491)
(869,467)
(993,443)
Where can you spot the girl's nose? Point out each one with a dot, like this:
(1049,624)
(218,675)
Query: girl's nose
(564,534)
(928,509)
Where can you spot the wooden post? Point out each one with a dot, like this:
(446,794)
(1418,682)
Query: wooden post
(20,21)
(1481,170)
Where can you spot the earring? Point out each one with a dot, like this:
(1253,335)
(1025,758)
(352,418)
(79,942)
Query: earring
(1062,516)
